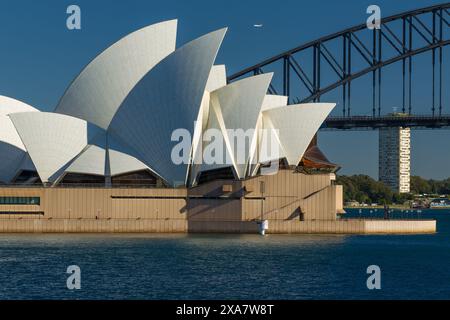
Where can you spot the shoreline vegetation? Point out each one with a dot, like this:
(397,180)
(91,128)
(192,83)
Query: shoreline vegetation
(402,208)
(362,189)
(381,207)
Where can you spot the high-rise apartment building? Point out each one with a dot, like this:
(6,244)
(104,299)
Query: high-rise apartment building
(395,158)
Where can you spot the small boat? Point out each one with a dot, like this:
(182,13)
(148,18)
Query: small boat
(441,203)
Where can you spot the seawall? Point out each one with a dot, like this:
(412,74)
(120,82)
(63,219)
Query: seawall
(183,226)
(291,202)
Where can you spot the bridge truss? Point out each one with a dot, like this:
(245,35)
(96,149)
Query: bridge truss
(400,38)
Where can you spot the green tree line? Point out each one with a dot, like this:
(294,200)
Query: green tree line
(422,186)
(364,189)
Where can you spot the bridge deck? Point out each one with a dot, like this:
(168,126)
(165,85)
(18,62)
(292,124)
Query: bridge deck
(369,122)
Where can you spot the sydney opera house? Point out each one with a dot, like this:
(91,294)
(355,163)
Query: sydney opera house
(124,149)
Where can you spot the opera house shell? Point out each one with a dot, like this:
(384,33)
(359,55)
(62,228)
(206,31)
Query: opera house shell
(118,115)
(115,127)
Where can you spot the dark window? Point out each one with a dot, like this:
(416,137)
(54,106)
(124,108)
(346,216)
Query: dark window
(20,201)
(137,178)
(82,179)
(216,174)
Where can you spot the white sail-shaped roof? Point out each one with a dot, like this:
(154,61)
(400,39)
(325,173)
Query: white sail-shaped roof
(90,161)
(217,78)
(268,147)
(52,140)
(12,150)
(121,159)
(166,99)
(94,158)
(122,163)
(123,110)
(214,144)
(240,106)
(8,133)
(96,94)
(296,126)
(197,139)
(264,152)
(273,101)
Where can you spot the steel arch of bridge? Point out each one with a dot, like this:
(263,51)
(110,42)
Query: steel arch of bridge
(435,34)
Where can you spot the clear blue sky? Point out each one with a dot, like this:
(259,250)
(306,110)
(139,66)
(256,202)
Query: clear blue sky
(40,56)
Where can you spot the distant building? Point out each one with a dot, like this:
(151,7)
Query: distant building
(352,203)
(395,158)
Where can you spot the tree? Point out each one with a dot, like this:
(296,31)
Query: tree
(364,189)
(420,185)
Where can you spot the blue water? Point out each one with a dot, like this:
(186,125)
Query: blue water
(227,266)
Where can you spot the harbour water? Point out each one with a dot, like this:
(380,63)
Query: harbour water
(148,266)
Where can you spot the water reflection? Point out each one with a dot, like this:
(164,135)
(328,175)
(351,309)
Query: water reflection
(179,266)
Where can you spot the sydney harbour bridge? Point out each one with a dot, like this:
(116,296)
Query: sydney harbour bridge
(336,62)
